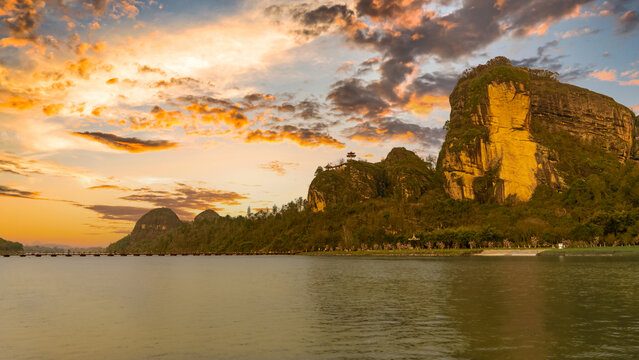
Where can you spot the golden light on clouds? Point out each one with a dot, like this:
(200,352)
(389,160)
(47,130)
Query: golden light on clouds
(303,138)
(425,104)
(130,144)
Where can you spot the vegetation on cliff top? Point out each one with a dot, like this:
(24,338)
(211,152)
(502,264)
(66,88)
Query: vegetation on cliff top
(402,175)
(470,92)
(10,247)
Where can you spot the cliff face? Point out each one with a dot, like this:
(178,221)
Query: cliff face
(511,129)
(402,175)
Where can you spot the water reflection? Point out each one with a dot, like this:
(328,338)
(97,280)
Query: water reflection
(374,308)
(319,308)
(500,308)
(475,308)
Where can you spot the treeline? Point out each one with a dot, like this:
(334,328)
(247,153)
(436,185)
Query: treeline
(598,210)
(10,247)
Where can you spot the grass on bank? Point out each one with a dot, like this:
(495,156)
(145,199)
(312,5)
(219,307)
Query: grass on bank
(395,252)
(594,251)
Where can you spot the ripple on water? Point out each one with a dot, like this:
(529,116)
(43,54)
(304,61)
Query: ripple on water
(318,308)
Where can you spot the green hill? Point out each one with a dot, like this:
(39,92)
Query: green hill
(10,247)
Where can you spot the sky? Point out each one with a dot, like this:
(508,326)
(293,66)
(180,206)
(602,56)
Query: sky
(109,108)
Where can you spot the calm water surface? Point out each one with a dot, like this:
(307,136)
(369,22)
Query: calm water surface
(296,307)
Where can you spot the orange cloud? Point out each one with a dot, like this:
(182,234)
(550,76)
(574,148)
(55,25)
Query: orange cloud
(302,137)
(61,85)
(99,46)
(108,187)
(81,48)
(347,66)
(15,42)
(12,192)
(52,109)
(231,117)
(112,81)
(424,105)
(17,102)
(540,30)
(132,145)
(448,25)
(125,8)
(161,119)
(604,75)
(630,82)
(278,167)
(97,111)
(83,67)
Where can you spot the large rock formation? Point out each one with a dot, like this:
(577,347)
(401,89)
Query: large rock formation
(206,216)
(402,175)
(512,129)
(155,222)
(148,228)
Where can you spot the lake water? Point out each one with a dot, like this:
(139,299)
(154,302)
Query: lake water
(297,307)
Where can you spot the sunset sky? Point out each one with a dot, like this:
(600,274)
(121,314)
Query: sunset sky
(109,108)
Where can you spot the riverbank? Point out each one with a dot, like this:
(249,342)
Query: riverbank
(402,252)
(595,251)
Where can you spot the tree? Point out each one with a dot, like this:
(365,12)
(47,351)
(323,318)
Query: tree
(274,209)
(248,211)
(318,170)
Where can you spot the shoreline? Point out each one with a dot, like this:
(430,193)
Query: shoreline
(505,252)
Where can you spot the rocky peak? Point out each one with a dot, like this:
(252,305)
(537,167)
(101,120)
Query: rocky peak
(206,215)
(400,154)
(513,128)
(155,221)
(402,174)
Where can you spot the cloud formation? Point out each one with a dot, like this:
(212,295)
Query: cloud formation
(116,212)
(279,167)
(301,136)
(24,166)
(12,192)
(604,75)
(628,22)
(392,129)
(403,31)
(185,199)
(130,144)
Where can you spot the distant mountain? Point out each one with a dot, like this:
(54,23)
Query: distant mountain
(56,248)
(148,229)
(206,216)
(8,247)
(527,161)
